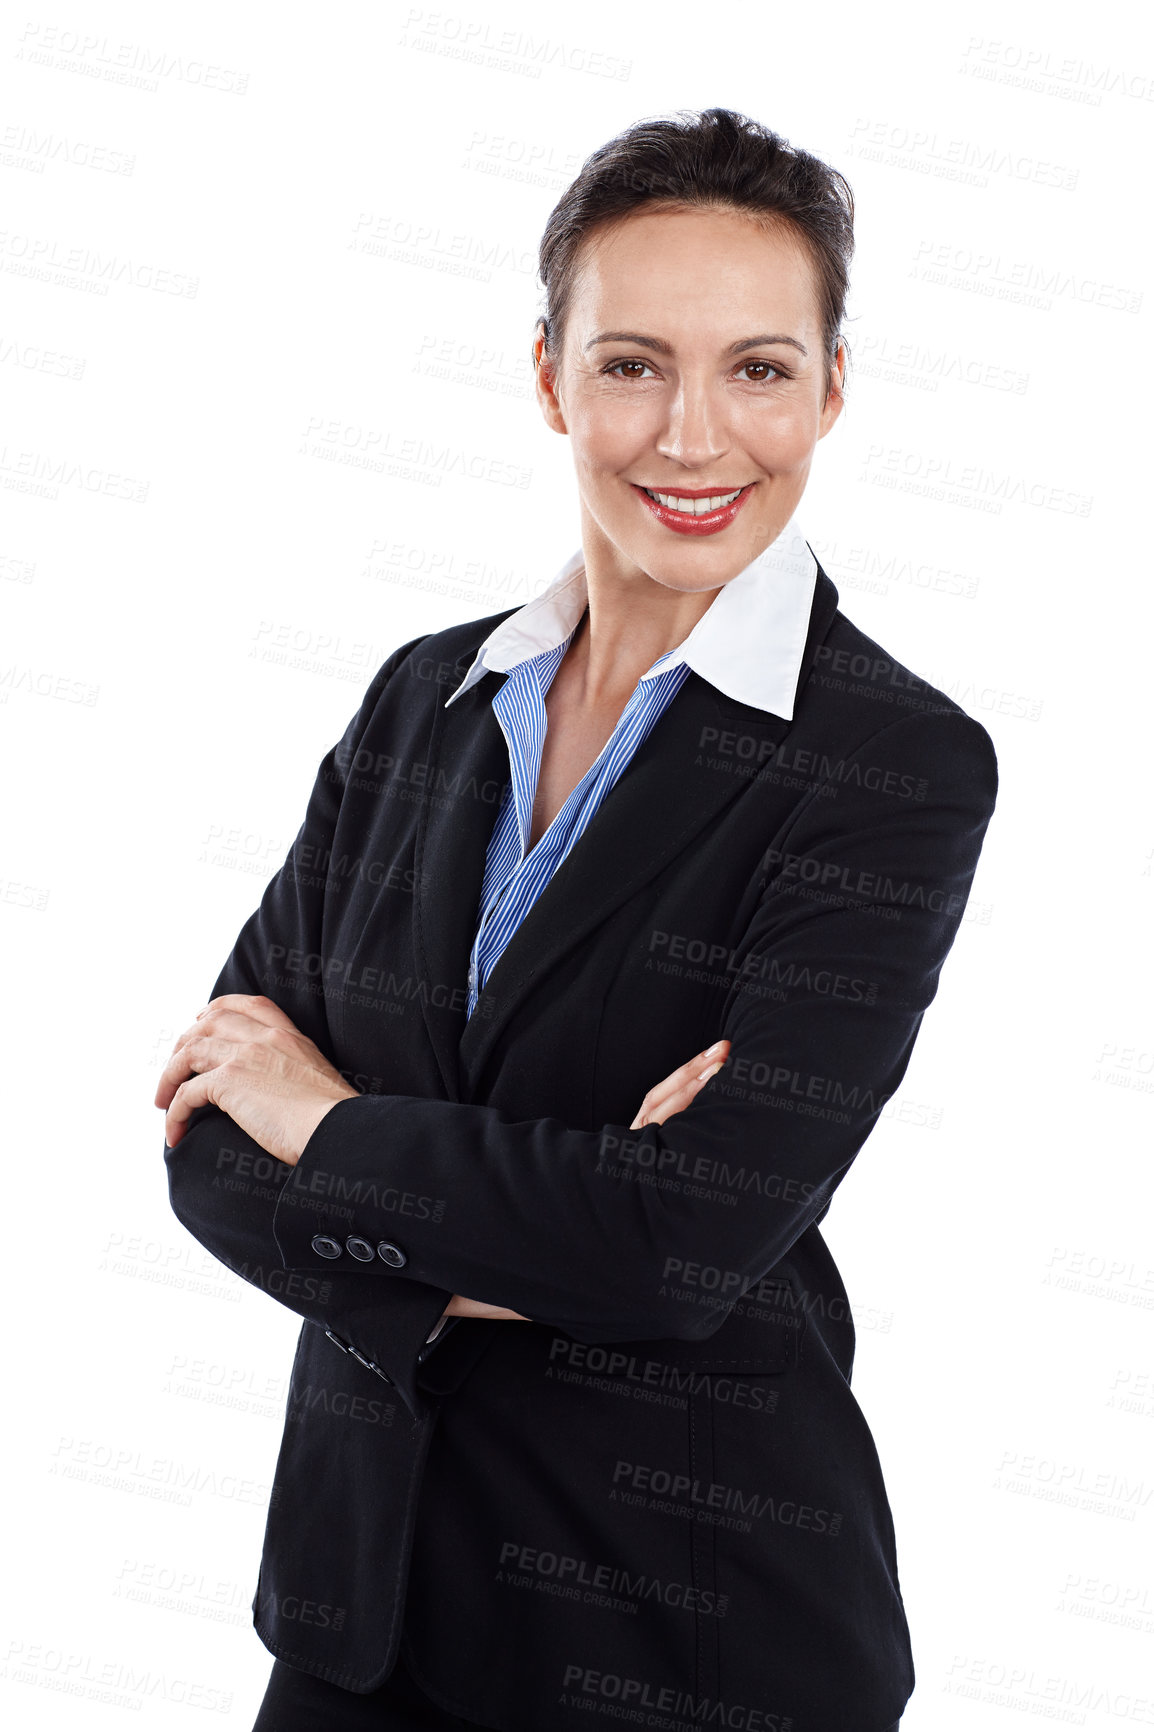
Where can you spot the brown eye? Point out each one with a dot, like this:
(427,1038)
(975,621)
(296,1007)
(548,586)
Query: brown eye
(769,370)
(613,368)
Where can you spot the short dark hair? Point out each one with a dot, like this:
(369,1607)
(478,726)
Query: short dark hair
(714,158)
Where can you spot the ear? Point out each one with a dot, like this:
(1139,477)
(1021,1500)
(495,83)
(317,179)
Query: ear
(835,397)
(545,382)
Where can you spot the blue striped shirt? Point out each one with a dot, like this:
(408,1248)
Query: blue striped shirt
(748,644)
(514,875)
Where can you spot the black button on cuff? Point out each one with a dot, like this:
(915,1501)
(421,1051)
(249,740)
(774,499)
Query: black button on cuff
(324,1246)
(391,1254)
(359,1248)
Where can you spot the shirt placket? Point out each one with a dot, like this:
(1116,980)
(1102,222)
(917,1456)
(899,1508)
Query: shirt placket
(519,706)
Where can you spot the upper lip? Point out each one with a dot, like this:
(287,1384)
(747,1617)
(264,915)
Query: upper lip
(691,492)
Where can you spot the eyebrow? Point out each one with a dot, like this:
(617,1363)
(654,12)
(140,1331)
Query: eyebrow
(663,348)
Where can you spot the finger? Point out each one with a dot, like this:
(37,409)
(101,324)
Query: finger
(196,1051)
(459,1306)
(675,1101)
(279,1040)
(196,1092)
(699,1068)
(232,1018)
(253,1004)
(695,1067)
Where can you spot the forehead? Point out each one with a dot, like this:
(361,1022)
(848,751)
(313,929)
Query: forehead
(705,267)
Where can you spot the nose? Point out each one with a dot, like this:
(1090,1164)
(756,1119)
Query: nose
(694,432)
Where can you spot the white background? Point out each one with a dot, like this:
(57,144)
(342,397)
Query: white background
(311,234)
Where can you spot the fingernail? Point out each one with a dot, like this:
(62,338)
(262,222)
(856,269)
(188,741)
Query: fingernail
(712,1071)
(716,1047)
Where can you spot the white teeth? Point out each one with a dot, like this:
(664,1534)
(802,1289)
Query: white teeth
(693,507)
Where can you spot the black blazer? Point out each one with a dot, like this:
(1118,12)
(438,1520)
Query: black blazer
(661,1492)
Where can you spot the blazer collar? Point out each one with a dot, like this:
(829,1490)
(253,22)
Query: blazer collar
(666,797)
(748,643)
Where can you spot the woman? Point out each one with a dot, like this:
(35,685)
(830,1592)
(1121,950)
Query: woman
(570,1430)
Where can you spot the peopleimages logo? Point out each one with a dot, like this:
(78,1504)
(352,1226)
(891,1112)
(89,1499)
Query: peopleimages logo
(970,161)
(583,1687)
(710,1497)
(610,1586)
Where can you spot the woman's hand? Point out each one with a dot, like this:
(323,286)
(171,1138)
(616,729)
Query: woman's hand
(244,1055)
(460,1307)
(674,1094)
(663,1100)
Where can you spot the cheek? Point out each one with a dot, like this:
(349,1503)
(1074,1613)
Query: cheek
(783,436)
(608,435)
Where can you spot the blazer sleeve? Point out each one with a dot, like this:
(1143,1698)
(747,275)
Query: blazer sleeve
(868,885)
(223,1185)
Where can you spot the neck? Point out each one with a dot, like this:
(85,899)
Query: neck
(630,621)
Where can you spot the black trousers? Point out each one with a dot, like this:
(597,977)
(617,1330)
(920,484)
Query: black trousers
(298,1702)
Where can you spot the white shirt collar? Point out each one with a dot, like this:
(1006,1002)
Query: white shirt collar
(748,643)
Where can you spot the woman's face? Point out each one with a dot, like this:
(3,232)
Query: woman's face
(693,364)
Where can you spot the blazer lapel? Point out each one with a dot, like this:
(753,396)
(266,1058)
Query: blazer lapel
(468,764)
(669,792)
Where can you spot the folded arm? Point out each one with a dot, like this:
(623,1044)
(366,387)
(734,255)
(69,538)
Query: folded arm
(861,903)
(224,1184)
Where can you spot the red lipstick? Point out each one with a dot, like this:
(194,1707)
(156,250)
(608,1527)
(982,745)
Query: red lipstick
(709,522)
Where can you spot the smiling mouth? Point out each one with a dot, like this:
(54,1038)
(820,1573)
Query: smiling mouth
(694,505)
